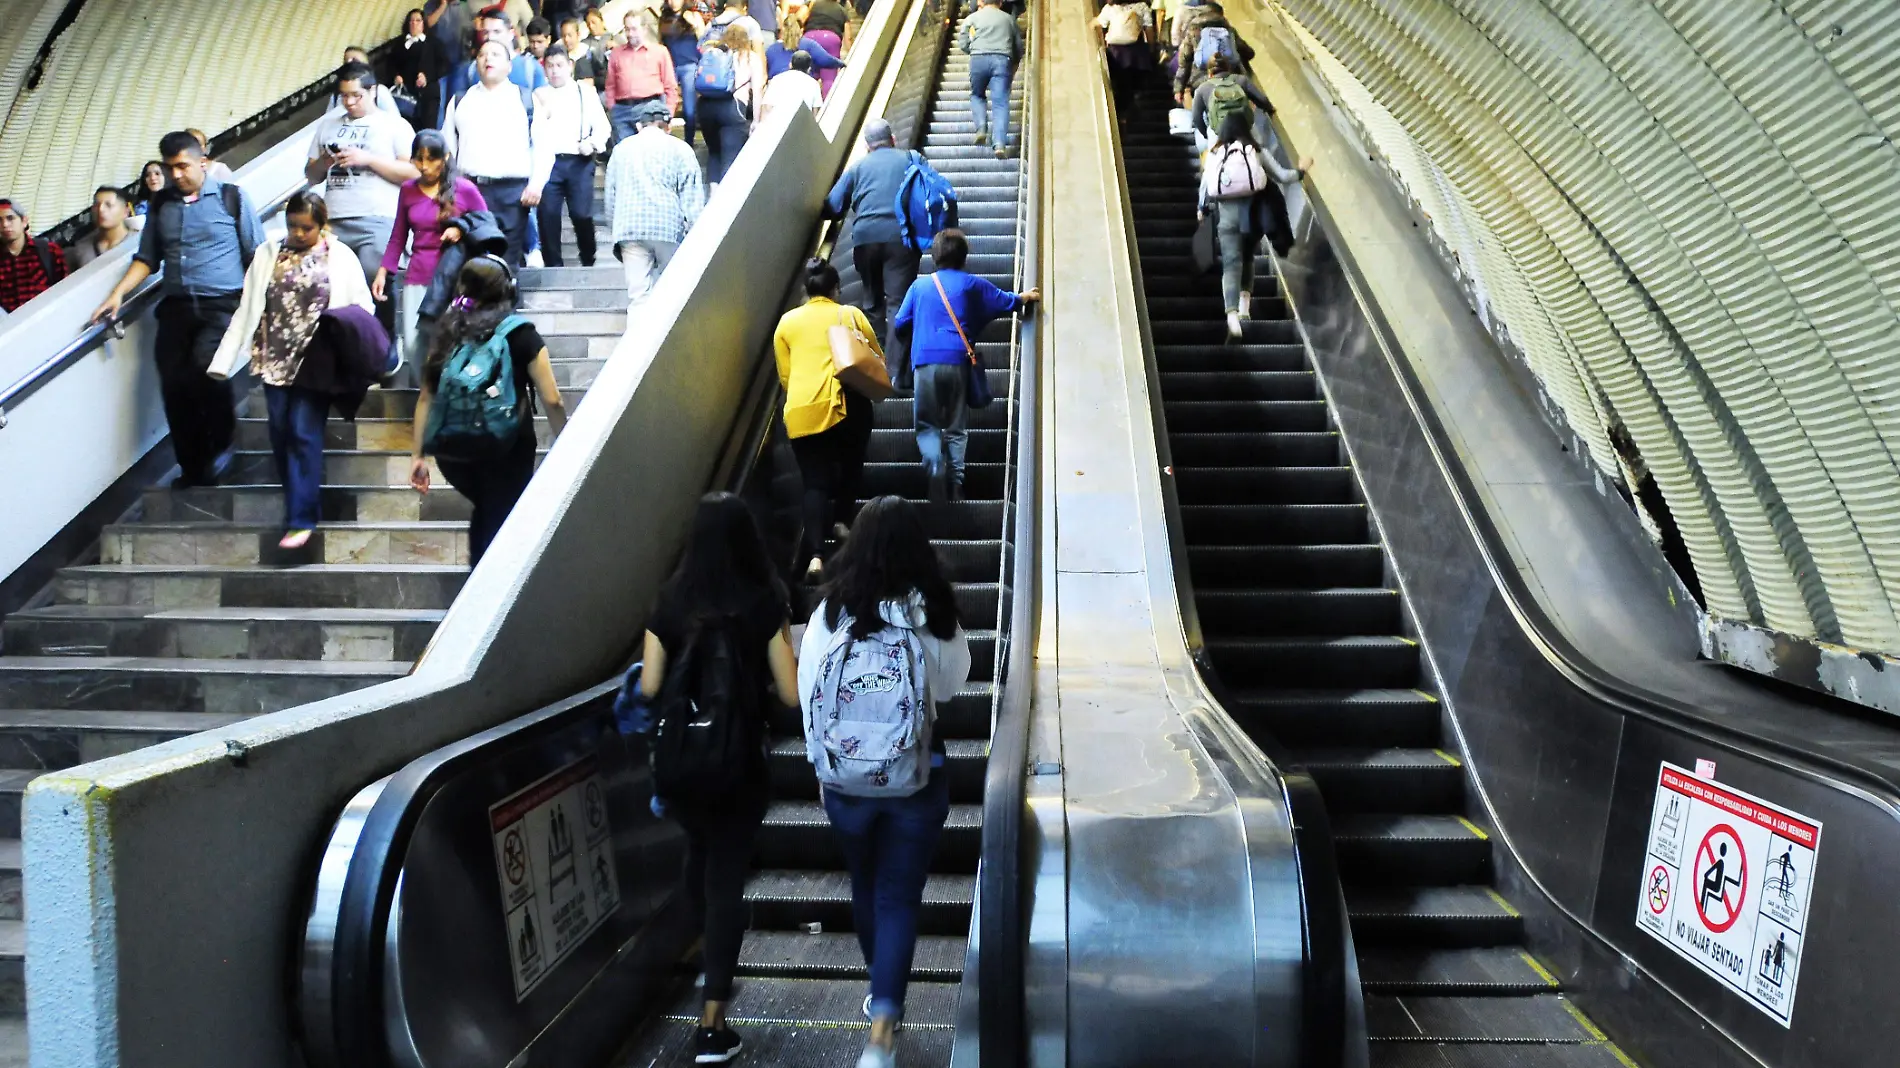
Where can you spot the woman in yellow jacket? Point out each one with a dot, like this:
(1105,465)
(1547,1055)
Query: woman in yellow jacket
(829,423)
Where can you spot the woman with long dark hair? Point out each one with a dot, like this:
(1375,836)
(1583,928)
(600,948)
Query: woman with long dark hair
(416,68)
(424,206)
(725,581)
(829,423)
(287,289)
(151,183)
(886,590)
(483,307)
(1236,171)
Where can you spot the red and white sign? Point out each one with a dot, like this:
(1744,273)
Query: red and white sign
(554,857)
(1726,883)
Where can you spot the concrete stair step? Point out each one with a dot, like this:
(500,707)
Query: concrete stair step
(12,906)
(308,586)
(401,403)
(586,323)
(254,433)
(606,298)
(599,276)
(240,544)
(49,739)
(166,684)
(262,633)
(340,502)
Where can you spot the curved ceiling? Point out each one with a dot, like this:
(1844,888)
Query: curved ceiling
(1685,214)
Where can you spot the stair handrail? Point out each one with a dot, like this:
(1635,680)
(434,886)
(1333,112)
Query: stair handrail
(1002,928)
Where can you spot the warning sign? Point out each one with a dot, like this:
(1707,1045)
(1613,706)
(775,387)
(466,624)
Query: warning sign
(554,858)
(1726,881)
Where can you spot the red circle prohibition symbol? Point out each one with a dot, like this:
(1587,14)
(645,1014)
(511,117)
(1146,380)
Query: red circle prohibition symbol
(1658,889)
(1716,872)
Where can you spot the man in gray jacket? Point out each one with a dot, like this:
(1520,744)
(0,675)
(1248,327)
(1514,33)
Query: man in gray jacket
(886,265)
(994,44)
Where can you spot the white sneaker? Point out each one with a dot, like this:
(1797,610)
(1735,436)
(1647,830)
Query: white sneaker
(867,1013)
(1246,305)
(1233,325)
(533,259)
(874,1057)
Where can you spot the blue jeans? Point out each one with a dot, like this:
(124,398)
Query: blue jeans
(888,842)
(503,196)
(943,419)
(726,131)
(689,97)
(990,75)
(626,115)
(296,443)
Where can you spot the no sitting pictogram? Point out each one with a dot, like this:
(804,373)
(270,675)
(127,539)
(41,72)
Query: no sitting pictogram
(1723,867)
(514,857)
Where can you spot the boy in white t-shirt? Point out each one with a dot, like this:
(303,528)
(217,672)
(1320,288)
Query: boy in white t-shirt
(361,155)
(794,86)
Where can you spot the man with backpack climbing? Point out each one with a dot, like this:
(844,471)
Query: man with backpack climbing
(1225,92)
(897,202)
(1212,35)
(202,233)
(28,266)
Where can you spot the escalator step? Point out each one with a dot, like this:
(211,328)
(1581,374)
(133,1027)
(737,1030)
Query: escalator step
(1410,849)
(1232,385)
(1229,359)
(1365,660)
(1449,916)
(1319,717)
(797,834)
(785,900)
(1192,449)
(1274,524)
(1600,1054)
(1288,485)
(1384,780)
(1297,415)
(819,1002)
(1214,331)
(667,1042)
(1290,567)
(1489,971)
(1535,1018)
(1264,612)
(836,955)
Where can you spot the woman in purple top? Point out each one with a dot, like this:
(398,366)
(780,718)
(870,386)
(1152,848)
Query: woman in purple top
(423,208)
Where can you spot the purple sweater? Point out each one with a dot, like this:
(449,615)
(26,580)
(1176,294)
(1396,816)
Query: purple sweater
(420,217)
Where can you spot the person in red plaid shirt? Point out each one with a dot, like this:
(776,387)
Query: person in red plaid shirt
(28,266)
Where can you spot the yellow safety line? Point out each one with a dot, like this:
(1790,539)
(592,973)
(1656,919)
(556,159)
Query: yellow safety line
(1598,1037)
(1536,966)
(1448,758)
(1503,904)
(1474,829)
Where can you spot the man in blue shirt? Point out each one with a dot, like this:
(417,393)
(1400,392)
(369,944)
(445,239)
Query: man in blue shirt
(202,233)
(886,266)
(942,316)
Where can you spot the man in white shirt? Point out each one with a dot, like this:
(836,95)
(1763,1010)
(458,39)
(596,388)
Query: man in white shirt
(361,154)
(570,129)
(794,85)
(488,134)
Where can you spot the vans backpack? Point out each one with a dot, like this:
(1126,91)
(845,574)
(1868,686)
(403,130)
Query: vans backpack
(868,720)
(926,204)
(479,411)
(1215,40)
(1238,172)
(708,738)
(716,78)
(1224,99)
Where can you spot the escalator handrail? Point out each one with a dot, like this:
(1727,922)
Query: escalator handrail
(1872,782)
(1324,1019)
(1002,935)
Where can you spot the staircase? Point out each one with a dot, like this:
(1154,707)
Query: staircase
(1307,635)
(187,616)
(799,999)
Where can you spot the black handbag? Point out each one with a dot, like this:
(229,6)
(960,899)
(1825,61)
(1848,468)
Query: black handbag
(1206,248)
(976,379)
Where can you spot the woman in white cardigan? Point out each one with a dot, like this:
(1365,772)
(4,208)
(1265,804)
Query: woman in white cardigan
(286,292)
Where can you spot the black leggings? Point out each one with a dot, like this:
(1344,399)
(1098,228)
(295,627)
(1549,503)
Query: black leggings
(831,463)
(492,488)
(718,856)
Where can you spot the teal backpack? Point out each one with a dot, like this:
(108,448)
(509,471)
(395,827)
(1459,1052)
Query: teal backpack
(478,412)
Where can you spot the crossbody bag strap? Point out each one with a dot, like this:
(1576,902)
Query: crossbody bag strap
(968,349)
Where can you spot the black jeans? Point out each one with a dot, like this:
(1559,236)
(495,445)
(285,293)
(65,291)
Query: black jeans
(572,182)
(885,269)
(492,488)
(504,202)
(831,464)
(198,408)
(719,841)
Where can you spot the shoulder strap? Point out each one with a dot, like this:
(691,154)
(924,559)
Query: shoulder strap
(968,349)
(233,198)
(45,251)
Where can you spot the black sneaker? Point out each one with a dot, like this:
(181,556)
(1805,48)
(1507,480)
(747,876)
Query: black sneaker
(715,1045)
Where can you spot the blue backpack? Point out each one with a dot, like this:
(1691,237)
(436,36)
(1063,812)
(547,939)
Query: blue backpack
(716,77)
(478,412)
(1215,40)
(926,204)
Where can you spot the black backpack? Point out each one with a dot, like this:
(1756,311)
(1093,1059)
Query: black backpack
(708,733)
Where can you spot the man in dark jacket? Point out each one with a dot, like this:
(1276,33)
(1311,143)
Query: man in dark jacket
(886,265)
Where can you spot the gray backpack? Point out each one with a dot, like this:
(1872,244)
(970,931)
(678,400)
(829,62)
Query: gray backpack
(868,722)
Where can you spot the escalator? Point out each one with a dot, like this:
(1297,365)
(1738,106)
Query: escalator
(802,980)
(1305,635)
